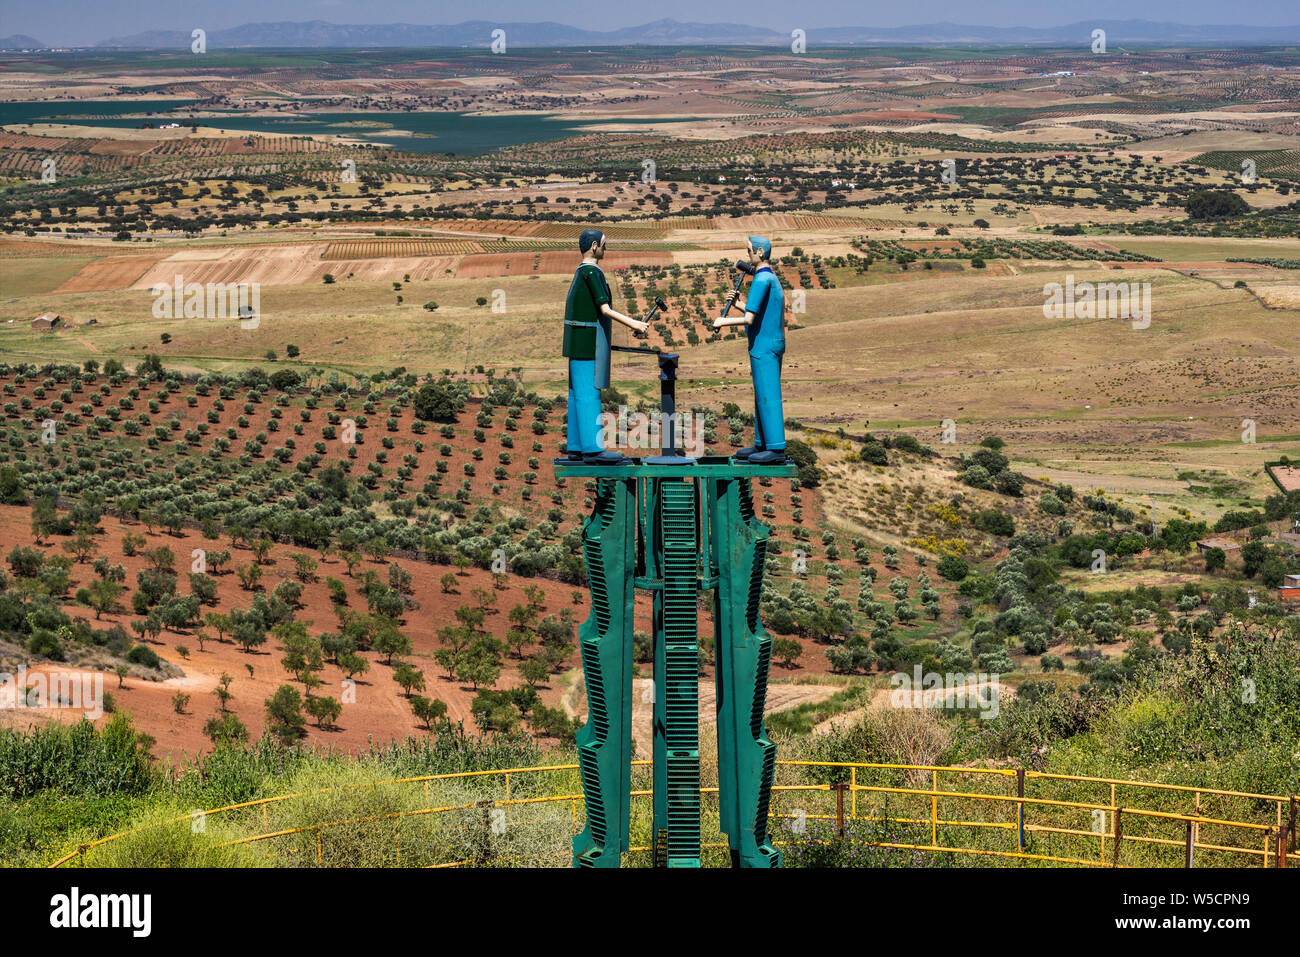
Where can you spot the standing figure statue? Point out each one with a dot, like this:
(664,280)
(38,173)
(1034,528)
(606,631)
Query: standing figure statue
(763,307)
(587,315)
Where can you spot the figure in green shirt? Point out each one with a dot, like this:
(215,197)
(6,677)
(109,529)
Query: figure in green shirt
(587,315)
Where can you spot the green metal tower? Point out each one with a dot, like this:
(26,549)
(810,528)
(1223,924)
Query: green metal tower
(675,527)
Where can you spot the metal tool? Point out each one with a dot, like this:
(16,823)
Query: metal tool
(746,269)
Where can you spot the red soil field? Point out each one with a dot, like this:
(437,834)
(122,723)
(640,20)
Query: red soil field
(1288,476)
(380,712)
(111,273)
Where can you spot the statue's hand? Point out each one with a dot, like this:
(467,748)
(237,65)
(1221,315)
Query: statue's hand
(640,326)
(719,322)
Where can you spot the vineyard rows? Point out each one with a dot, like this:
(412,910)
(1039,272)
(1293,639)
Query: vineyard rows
(398,248)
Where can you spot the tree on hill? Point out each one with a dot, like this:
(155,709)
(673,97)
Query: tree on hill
(953,568)
(786,651)
(805,459)
(436,402)
(284,714)
(534,671)
(1215,204)
(479,666)
(326,711)
(428,711)
(225,728)
(388,639)
(410,678)
(102,596)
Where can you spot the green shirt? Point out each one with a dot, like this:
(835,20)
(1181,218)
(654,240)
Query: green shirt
(587,293)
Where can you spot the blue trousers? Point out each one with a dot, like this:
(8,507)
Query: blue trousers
(769,422)
(584,407)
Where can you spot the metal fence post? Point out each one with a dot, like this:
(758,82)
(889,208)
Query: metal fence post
(1187,855)
(1291,825)
(1020,810)
(485,849)
(1196,826)
(1119,834)
(839,789)
(934,809)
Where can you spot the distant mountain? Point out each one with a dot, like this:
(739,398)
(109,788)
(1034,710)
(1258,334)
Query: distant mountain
(319,33)
(1144,32)
(20,41)
(675,32)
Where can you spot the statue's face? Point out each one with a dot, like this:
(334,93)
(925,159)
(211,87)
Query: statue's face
(598,250)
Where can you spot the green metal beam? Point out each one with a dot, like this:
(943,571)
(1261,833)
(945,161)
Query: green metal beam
(676,633)
(716,466)
(746,757)
(605,643)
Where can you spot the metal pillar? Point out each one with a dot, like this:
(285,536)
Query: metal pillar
(605,644)
(746,758)
(677,665)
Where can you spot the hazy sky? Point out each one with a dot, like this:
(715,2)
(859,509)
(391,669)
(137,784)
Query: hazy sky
(86,21)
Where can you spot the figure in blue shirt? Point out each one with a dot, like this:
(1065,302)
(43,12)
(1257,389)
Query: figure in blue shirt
(763,307)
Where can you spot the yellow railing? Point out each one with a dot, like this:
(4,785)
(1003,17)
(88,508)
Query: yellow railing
(1264,842)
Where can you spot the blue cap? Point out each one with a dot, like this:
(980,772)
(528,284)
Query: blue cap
(762,245)
(589,238)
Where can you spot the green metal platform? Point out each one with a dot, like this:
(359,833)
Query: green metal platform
(676,530)
(706,467)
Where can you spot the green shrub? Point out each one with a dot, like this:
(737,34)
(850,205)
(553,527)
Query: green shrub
(144,655)
(1050,504)
(994,521)
(953,568)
